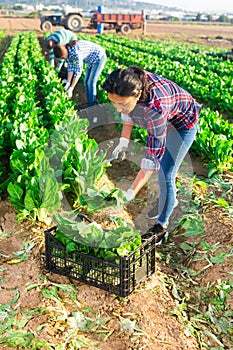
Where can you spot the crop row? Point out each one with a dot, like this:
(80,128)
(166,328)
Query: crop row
(209,79)
(41,134)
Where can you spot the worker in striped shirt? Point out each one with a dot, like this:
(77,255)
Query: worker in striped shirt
(170,116)
(79,52)
(61,36)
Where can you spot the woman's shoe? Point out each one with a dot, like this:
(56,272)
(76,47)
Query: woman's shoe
(157,230)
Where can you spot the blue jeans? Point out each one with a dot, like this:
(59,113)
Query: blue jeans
(177,146)
(90,81)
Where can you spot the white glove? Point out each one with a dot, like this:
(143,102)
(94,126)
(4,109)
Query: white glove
(129,194)
(148,164)
(66,87)
(122,146)
(64,81)
(70,92)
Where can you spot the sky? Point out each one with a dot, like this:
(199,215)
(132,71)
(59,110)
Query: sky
(198,5)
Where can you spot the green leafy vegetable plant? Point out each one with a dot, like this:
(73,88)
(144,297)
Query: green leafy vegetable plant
(91,239)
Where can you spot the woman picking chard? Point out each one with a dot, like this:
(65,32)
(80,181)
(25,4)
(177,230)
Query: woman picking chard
(170,115)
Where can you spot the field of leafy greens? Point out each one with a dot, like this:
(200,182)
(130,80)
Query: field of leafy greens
(46,155)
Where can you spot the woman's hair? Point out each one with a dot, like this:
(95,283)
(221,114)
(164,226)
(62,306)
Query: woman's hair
(72,43)
(59,50)
(127,82)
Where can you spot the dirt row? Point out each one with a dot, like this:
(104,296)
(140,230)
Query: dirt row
(217,35)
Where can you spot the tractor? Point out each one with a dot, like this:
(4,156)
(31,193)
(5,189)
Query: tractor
(72,21)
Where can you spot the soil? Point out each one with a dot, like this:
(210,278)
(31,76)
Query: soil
(216,35)
(152,303)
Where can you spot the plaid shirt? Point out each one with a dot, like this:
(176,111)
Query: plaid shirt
(83,52)
(166,103)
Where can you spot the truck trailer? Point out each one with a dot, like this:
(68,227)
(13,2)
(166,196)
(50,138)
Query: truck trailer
(123,23)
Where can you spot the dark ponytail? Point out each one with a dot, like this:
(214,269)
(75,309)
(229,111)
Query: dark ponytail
(127,82)
(72,43)
(59,50)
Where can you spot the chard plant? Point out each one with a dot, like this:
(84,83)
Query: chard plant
(92,239)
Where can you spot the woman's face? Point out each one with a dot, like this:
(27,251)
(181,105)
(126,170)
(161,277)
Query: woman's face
(123,104)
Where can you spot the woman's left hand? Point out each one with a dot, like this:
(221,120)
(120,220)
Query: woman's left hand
(129,194)
(66,87)
(70,92)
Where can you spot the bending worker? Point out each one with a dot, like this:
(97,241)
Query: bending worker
(170,115)
(79,52)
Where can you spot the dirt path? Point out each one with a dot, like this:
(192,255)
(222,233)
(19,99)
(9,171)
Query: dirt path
(218,35)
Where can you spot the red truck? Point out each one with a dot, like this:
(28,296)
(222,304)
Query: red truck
(120,22)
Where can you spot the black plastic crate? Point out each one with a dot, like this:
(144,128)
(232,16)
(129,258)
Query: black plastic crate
(119,275)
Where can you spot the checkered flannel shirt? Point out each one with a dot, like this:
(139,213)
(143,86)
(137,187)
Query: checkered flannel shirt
(83,52)
(166,103)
